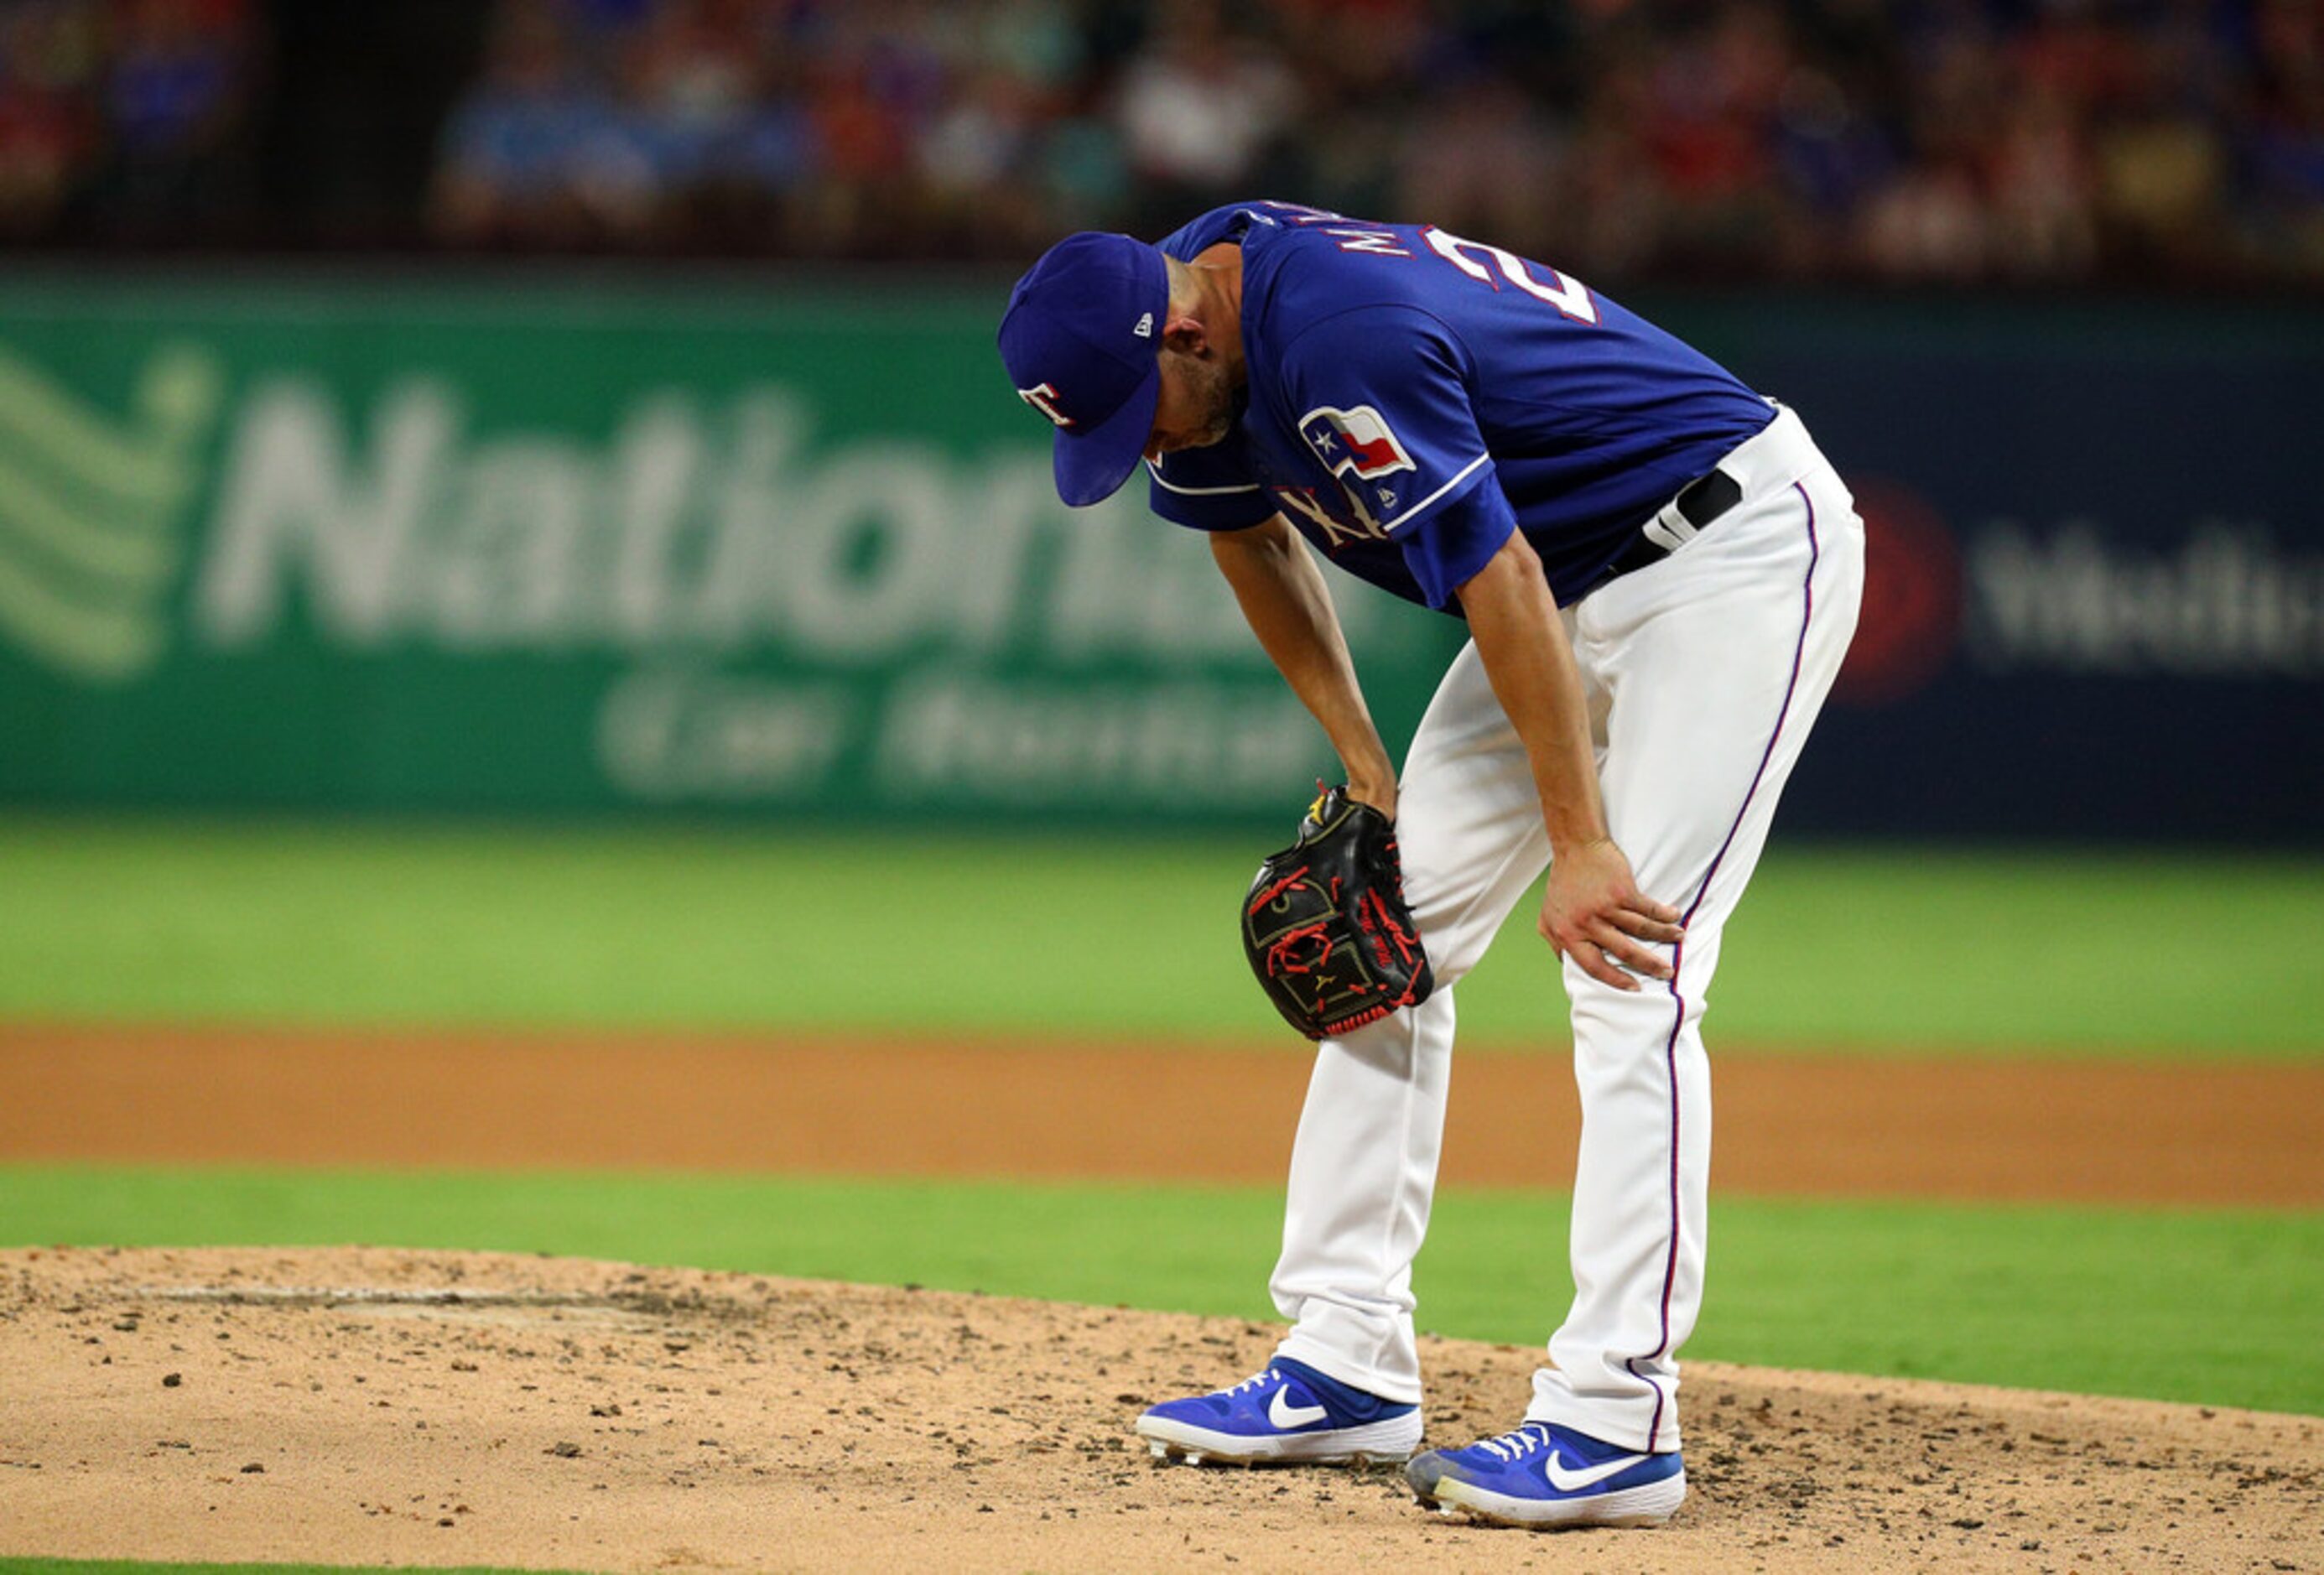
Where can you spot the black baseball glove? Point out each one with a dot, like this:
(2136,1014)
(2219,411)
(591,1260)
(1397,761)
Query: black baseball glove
(1325,924)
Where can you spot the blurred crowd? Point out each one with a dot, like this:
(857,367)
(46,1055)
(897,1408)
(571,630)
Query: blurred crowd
(2164,141)
(1942,140)
(124,119)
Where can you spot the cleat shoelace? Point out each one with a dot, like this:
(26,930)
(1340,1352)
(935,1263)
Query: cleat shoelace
(1517,1445)
(1253,1382)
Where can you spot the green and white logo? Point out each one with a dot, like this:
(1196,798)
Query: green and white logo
(322,554)
(93,510)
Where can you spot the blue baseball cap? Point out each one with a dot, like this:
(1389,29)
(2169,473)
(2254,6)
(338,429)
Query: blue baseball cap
(1080,339)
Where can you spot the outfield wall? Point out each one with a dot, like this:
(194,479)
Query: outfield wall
(792,554)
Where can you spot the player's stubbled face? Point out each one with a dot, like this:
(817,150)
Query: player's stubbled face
(1196,408)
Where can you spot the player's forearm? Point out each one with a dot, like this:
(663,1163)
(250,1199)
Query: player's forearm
(1289,610)
(1527,657)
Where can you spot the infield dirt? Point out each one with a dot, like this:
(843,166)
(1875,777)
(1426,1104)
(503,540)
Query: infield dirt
(1972,1127)
(427,1409)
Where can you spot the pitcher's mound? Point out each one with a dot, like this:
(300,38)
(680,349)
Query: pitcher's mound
(379,1407)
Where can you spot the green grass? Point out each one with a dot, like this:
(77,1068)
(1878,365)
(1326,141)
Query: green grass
(177,921)
(2216,1307)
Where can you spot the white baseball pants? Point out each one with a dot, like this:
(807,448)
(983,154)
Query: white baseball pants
(1703,672)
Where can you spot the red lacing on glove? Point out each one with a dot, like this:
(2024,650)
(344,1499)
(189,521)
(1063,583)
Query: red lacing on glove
(1280,960)
(1276,890)
(1381,925)
(1373,1015)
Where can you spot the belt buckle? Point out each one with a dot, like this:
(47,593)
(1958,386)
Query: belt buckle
(1670,528)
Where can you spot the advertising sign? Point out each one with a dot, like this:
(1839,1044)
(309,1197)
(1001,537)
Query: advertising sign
(796,554)
(428,551)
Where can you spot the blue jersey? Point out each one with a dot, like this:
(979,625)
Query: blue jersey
(1415,397)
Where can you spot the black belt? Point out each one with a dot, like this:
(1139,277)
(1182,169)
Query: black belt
(1699,502)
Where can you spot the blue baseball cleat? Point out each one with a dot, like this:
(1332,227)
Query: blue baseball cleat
(1544,1476)
(1291,1415)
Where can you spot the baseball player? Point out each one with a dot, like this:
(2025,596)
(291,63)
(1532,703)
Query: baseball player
(1660,574)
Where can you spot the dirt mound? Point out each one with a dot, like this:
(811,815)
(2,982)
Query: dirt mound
(369,1406)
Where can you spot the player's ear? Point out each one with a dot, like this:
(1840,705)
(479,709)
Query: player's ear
(1183,333)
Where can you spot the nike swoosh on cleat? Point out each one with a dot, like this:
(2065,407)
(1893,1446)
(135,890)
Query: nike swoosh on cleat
(1566,1481)
(1287,1416)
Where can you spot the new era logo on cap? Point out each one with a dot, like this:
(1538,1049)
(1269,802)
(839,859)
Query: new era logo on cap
(1079,342)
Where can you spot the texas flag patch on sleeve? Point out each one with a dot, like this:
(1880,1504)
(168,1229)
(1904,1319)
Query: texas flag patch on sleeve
(1355,443)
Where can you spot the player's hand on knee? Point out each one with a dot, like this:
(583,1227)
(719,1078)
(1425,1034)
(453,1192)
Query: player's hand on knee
(1594,913)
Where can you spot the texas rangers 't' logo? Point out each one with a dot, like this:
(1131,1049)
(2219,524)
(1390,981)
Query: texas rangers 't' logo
(1355,442)
(1043,397)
